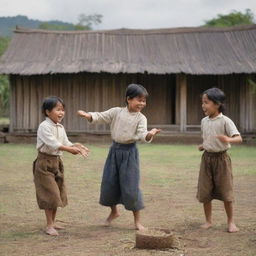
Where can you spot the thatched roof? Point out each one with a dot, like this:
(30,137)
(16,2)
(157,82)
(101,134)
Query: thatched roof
(157,51)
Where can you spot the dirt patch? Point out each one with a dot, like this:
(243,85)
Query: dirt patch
(169,178)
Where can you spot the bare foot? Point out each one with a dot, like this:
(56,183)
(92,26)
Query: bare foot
(56,226)
(139,227)
(51,231)
(232,228)
(111,217)
(206,225)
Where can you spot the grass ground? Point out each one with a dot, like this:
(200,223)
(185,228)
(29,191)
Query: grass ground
(4,121)
(168,181)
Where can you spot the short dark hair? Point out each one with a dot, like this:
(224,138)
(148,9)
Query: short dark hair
(135,90)
(217,96)
(50,102)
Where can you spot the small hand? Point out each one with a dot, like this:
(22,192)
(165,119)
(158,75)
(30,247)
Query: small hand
(154,131)
(84,151)
(82,113)
(200,147)
(223,138)
(74,150)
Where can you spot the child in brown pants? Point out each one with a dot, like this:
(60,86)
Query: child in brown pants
(215,177)
(48,168)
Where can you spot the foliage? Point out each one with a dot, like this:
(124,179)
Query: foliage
(4,82)
(252,83)
(4,121)
(4,41)
(4,95)
(51,26)
(231,19)
(8,24)
(86,22)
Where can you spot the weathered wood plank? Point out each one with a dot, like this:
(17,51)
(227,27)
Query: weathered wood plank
(166,105)
(182,86)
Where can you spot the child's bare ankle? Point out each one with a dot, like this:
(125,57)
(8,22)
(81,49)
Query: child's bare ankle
(140,227)
(206,225)
(50,230)
(111,217)
(56,226)
(232,228)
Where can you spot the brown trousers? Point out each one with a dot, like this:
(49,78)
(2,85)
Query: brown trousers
(215,178)
(49,181)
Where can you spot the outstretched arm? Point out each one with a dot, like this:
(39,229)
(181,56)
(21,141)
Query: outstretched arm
(71,149)
(77,148)
(104,117)
(234,139)
(84,114)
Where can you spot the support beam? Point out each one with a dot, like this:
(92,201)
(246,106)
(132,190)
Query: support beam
(247,106)
(12,99)
(181,82)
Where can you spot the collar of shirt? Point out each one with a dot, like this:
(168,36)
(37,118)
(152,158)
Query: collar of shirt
(52,123)
(131,113)
(220,115)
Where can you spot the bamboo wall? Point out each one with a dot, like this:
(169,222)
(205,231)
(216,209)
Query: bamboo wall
(90,92)
(229,84)
(98,92)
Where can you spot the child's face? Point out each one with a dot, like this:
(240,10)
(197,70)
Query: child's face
(210,108)
(136,104)
(57,113)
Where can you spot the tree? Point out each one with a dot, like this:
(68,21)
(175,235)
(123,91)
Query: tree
(4,82)
(86,22)
(51,26)
(4,95)
(231,19)
(4,41)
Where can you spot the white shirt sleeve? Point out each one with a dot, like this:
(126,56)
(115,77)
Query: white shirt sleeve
(230,128)
(103,117)
(66,141)
(201,127)
(142,129)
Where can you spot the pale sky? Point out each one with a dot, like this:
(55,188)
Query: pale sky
(127,14)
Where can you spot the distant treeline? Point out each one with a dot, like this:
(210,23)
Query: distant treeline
(8,24)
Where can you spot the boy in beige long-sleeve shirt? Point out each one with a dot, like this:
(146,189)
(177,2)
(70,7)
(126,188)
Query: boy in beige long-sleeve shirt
(121,175)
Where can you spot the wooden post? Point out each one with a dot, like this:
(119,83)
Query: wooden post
(177,102)
(251,106)
(247,107)
(181,82)
(12,114)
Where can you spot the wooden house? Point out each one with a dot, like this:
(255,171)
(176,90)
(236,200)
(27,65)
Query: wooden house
(90,70)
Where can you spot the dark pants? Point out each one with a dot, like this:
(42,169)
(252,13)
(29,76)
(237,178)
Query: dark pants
(121,177)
